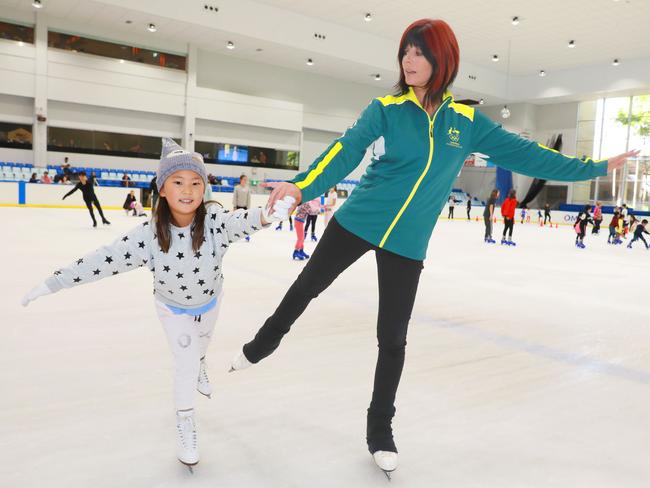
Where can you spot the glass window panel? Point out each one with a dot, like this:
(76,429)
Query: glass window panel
(14,135)
(107,49)
(16,32)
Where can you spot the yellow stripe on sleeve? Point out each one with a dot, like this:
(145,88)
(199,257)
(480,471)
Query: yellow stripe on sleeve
(320,167)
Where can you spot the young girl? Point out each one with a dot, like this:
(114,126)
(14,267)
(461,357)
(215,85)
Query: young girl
(488,215)
(330,205)
(524,214)
(582,220)
(508,212)
(613,225)
(183,246)
(302,212)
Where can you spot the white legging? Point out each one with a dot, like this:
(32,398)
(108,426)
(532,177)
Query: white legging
(188,337)
(328,216)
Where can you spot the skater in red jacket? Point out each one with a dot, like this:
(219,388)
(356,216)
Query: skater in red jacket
(508,211)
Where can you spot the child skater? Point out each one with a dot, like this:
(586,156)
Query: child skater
(330,205)
(524,214)
(312,216)
(302,212)
(87,187)
(639,230)
(613,225)
(488,215)
(508,212)
(183,246)
(582,220)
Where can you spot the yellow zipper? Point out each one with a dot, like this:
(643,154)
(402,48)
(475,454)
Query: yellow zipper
(417,183)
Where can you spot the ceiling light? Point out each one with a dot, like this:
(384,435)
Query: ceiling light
(128,21)
(121,61)
(515,20)
(310,62)
(616,62)
(505,112)
(572,44)
(542,73)
(21,43)
(481,101)
(37,4)
(378,77)
(230,45)
(368,17)
(155,55)
(495,58)
(152,27)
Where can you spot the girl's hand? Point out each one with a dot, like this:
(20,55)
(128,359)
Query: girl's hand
(34,293)
(280,211)
(618,161)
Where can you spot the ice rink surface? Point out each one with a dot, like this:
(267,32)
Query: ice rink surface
(526,367)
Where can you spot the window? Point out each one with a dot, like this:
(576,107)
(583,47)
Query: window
(238,155)
(17,136)
(16,32)
(620,124)
(86,45)
(100,142)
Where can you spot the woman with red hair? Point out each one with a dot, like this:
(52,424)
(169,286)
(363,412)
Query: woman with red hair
(420,138)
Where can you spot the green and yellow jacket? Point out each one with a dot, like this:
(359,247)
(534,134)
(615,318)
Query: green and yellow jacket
(415,161)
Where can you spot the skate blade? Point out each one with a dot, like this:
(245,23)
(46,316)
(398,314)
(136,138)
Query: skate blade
(190,467)
(388,474)
(209,395)
(231,369)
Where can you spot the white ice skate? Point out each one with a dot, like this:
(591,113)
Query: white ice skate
(204,386)
(386,461)
(187,446)
(239,362)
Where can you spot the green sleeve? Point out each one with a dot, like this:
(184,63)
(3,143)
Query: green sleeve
(343,155)
(517,154)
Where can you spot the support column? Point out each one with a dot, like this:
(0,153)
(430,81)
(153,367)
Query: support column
(189,121)
(39,132)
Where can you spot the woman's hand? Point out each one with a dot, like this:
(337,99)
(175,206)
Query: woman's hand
(281,190)
(618,161)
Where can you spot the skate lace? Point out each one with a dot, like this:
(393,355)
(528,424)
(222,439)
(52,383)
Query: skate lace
(203,375)
(186,429)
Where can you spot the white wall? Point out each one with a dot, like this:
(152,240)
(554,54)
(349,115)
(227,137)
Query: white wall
(328,104)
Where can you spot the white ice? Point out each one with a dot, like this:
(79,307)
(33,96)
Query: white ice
(526,367)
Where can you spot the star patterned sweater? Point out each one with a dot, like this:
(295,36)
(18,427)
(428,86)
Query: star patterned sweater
(182,278)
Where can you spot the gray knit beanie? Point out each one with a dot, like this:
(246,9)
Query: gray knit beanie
(174,158)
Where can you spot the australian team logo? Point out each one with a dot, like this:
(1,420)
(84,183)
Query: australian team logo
(454,137)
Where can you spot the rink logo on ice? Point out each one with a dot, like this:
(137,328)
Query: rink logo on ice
(454,138)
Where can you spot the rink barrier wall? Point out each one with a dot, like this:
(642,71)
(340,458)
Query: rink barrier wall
(21,194)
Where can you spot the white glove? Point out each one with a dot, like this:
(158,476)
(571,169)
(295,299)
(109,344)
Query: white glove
(34,293)
(280,210)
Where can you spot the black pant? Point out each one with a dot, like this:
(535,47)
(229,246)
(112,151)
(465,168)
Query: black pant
(398,282)
(451,213)
(596,228)
(638,238)
(89,204)
(311,219)
(488,226)
(509,226)
(469,209)
(547,215)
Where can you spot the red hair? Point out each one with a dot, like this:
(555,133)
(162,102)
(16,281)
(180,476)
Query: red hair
(439,46)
